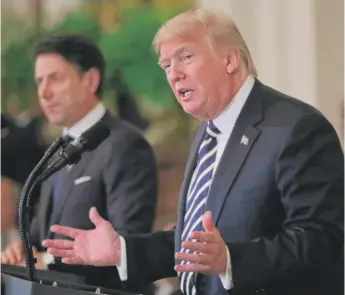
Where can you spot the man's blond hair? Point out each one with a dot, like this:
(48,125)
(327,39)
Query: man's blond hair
(221,31)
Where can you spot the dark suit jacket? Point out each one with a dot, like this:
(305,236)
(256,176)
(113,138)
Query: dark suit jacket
(277,202)
(123,187)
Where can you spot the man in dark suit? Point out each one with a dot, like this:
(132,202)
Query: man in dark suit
(119,177)
(261,206)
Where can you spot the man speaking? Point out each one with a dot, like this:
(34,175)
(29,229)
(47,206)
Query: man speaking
(261,206)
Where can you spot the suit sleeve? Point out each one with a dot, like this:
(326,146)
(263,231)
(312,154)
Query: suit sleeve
(131,185)
(310,179)
(150,257)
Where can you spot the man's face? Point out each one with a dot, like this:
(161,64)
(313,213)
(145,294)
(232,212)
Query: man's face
(63,93)
(197,76)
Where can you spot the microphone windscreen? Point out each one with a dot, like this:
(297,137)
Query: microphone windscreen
(92,137)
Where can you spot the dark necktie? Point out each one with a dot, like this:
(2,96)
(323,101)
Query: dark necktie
(196,198)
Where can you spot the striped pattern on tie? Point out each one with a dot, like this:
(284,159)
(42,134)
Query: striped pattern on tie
(197,196)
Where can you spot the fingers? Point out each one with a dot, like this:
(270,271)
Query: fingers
(74,260)
(8,258)
(58,244)
(200,258)
(13,254)
(206,237)
(66,231)
(4,258)
(192,267)
(198,246)
(207,222)
(18,252)
(95,218)
(61,253)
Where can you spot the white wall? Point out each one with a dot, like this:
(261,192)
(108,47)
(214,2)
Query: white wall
(297,46)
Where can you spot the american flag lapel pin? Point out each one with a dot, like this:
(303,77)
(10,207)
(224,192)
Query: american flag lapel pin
(244,140)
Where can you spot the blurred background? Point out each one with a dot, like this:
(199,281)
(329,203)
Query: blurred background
(297,46)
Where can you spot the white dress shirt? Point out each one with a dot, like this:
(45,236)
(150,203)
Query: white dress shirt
(225,122)
(90,119)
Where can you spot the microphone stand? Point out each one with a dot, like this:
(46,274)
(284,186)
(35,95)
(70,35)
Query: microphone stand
(25,209)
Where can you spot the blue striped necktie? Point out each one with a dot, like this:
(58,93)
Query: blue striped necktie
(196,198)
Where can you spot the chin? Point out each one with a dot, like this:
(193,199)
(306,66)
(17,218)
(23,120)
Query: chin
(194,111)
(54,120)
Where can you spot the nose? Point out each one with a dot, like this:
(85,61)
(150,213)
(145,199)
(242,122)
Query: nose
(176,74)
(45,91)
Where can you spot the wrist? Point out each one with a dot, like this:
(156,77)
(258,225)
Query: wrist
(47,259)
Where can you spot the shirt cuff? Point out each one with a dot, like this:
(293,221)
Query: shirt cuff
(122,267)
(226,278)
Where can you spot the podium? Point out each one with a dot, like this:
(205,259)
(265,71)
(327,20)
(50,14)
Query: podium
(14,282)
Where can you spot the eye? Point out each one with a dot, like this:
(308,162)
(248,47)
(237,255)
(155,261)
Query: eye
(38,81)
(187,57)
(166,66)
(56,77)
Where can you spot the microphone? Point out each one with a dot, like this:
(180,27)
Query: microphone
(71,154)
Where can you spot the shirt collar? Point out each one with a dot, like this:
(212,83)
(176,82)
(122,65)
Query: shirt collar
(227,119)
(87,121)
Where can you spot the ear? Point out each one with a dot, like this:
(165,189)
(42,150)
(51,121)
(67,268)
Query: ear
(233,61)
(92,79)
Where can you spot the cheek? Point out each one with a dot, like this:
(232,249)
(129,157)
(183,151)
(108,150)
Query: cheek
(172,88)
(67,96)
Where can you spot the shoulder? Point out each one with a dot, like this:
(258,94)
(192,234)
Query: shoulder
(276,102)
(120,129)
(123,137)
(287,112)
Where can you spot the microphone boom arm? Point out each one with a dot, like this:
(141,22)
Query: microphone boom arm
(25,210)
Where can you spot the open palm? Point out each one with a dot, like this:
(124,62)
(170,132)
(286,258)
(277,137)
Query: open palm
(100,246)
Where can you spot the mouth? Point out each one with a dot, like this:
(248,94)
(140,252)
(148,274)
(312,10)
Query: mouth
(185,93)
(51,107)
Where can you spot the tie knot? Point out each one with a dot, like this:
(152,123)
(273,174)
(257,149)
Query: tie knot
(212,130)
(67,139)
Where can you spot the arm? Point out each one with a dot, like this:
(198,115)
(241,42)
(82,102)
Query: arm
(150,257)
(309,176)
(131,185)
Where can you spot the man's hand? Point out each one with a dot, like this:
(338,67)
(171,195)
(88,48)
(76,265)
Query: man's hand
(211,256)
(14,255)
(100,246)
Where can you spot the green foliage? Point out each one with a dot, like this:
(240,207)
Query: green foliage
(17,71)
(129,51)
(80,22)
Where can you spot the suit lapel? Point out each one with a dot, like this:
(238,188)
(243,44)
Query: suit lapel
(68,184)
(74,173)
(228,169)
(236,151)
(191,163)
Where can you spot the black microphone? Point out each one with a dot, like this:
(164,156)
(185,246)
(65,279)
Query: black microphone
(71,154)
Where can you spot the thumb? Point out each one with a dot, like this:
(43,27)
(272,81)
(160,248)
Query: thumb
(95,218)
(208,223)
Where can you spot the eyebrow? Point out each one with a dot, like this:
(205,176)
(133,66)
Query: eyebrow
(39,78)
(176,52)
